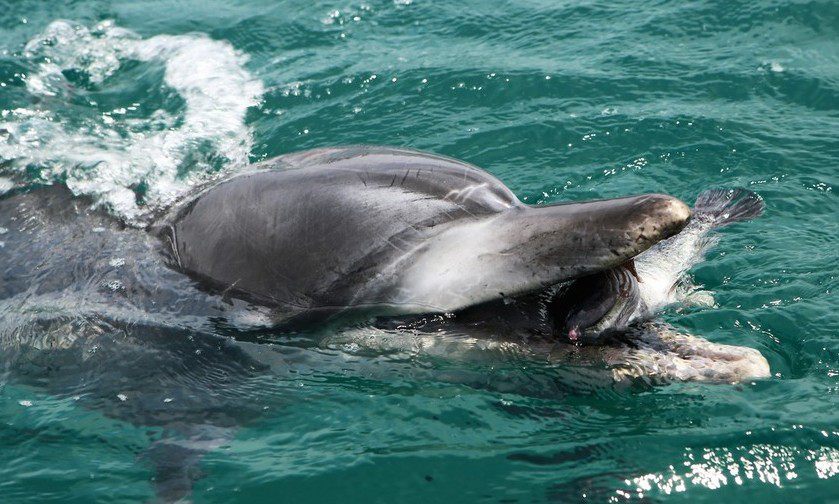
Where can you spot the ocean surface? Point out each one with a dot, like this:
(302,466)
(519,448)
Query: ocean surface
(128,104)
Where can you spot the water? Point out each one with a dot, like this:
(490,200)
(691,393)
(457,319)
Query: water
(130,104)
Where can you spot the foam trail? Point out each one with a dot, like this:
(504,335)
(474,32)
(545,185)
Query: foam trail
(108,155)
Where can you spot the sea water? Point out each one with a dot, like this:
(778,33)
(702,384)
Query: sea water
(129,104)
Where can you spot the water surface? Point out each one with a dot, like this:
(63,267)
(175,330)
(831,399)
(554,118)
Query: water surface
(128,104)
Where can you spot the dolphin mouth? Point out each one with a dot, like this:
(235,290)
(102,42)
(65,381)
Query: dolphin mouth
(588,309)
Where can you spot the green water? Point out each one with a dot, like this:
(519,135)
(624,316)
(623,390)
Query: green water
(561,101)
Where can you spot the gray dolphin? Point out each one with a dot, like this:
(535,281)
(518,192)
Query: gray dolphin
(398,231)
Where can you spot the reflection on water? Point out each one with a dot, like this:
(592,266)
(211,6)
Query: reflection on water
(714,468)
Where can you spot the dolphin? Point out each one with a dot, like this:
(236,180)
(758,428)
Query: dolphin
(395,232)
(92,312)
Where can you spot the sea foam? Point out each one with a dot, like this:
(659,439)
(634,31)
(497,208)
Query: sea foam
(128,161)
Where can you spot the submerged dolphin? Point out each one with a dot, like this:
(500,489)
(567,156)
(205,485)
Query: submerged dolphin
(397,231)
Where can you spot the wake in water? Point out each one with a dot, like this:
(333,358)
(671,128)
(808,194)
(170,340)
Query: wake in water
(129,158)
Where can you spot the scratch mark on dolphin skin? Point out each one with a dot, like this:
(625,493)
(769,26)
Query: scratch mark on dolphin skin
(225,295)
(361,178)
(398,249)
(173,244)
(407,172)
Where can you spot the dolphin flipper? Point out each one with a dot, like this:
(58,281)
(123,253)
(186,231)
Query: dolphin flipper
(175,458)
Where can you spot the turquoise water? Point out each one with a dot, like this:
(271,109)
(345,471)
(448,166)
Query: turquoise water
(129,103)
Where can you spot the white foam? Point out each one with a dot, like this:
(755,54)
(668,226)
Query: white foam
(105,155)
(6,185)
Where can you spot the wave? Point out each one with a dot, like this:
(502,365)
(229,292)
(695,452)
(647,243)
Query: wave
(136,158)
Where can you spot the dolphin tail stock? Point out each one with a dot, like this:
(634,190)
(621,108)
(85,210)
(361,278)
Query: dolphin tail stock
(175,458)
(722,207)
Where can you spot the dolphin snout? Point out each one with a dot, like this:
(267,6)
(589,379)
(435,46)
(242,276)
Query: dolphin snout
(619,229)
(556,243)
(661,216)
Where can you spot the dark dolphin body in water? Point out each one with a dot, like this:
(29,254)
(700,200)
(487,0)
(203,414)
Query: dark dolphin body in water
(93,310)
(89,311)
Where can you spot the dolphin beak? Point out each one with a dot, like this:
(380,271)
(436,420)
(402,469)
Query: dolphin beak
(665,214)
(625,227)
(569,240)
(525,248)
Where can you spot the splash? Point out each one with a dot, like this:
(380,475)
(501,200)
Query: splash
(139,157)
